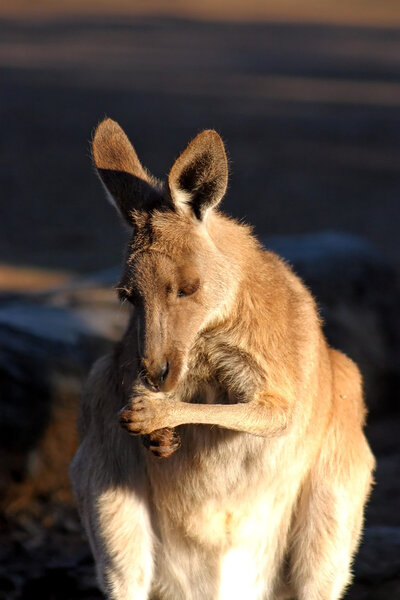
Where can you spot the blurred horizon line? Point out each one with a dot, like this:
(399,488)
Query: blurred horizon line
(351,12)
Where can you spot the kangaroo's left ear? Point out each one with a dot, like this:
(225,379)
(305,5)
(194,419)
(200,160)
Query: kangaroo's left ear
(128,184)
(199,177)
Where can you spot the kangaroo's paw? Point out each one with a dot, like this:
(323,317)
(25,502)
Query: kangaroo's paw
(162,442)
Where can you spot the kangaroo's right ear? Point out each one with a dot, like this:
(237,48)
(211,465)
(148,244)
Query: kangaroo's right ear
(199,176)
(128,185)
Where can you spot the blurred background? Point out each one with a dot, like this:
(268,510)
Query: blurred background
(306,96)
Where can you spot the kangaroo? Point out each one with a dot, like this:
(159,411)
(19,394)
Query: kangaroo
(254,471)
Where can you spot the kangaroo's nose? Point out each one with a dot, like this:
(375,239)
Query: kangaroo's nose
(156,377)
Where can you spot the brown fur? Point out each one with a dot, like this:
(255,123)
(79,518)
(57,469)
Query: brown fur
(264,497)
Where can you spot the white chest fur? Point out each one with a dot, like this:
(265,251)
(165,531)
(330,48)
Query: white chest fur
(221,530)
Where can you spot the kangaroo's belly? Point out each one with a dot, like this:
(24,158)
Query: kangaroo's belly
(225,552)
(222,537)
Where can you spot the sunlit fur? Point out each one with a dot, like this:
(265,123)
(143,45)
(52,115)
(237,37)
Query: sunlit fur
(264,499)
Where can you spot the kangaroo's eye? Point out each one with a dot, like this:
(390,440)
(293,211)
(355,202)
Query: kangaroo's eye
(123,295)
(130,296)
(188,289)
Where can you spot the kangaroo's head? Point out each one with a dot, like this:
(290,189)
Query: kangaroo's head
(175,274)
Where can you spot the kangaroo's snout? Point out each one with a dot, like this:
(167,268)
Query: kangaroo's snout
(155,375)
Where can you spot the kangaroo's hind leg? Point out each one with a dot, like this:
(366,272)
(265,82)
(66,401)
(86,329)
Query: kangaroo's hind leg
(330,516)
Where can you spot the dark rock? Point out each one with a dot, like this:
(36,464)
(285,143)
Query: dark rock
(7,586)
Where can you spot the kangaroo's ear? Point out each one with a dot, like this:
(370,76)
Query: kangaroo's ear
(199,177)
(128,185)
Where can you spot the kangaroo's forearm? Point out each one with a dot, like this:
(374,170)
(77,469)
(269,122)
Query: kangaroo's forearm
(255,417)
(264,416)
